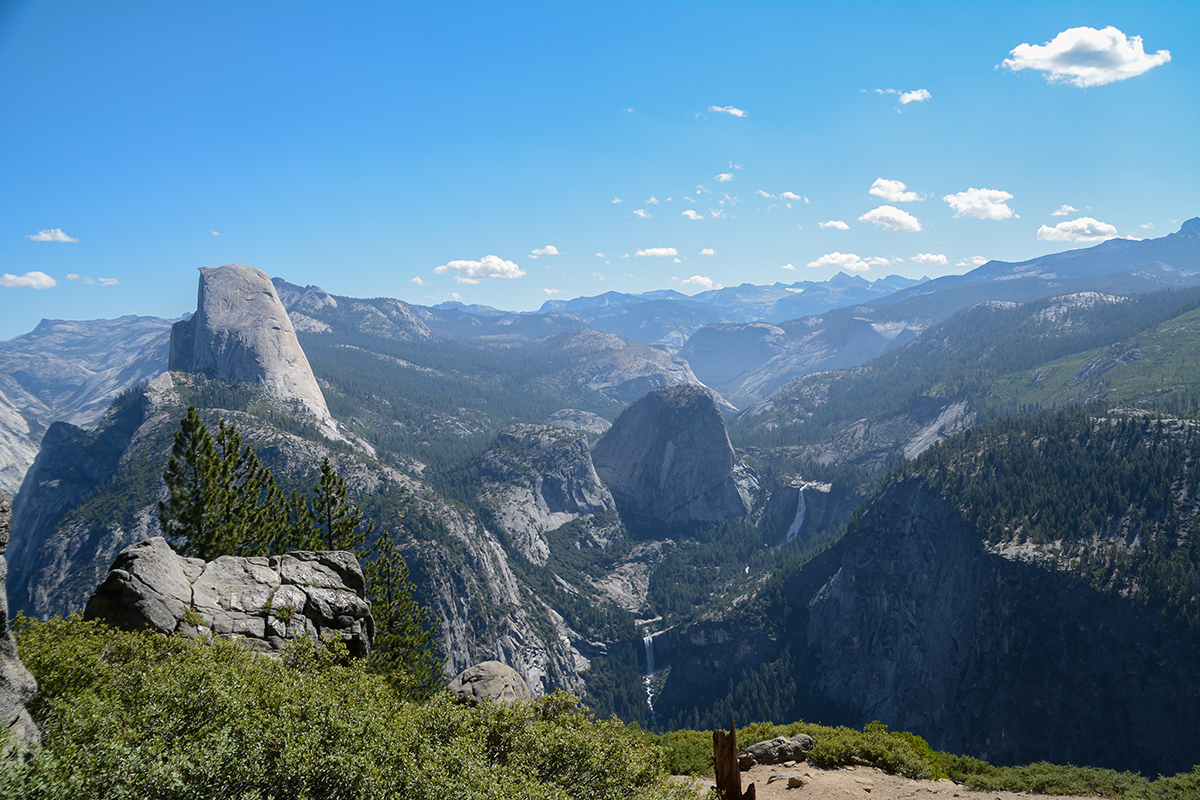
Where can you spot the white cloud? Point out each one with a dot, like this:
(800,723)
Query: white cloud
(980,203)
(691,214)
(708,251)
(1084,229)
(82,279)
(30,280)
(216,233)
(599,275)
(1087,57)
(848,261)
(834,223)
(548,250)
(641,212)
(737,112)
(973,261)
(893,191)
(700,280)
(617,200)
(761,193)
(930,259)
(419,282)
(657,252)
(789,267)
(108,281)
(715,213)
(735,166)
(791,196)
(892,218)
(552,291)
(724,177)
(601,255)
(51,235)
(1063,211)
(653,201)
(1147,226)
(485,269)
(918,96)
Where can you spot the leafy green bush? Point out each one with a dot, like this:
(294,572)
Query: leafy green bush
(127,715)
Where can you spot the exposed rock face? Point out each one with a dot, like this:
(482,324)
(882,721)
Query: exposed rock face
(241,332)
(668,458)
(796,511)
(777,750)
(17,686)
(576,420)
(537,478)
(267,601)
(490,680)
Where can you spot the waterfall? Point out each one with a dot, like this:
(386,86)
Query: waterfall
(648,678)
(798,522)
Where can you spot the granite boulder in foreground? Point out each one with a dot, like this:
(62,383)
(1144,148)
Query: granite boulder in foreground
(267,601)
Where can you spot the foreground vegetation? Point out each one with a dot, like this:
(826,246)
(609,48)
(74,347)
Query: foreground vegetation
(902,753)
(127,715)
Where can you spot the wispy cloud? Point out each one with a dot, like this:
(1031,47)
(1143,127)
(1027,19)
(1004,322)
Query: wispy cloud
(700,280)
(691,214)
(980,204)
(918,96)
(708,251)
(724,177)
(601,255)
(931,259)
(893,191)
(761,193)
(30,280)
(548,250)
(892,218)
(51,235)
(792,196)
(788,267)
(419,282)
(657,252)
(92,281)
(653,201)
(216,233)
(108,281)
(836,224)
(1087,57)
(617,200)
(641,212)
(1084,229)
(736,112)
(552,291)
(487,268)
(1063,211)
(973,261)
(849,261)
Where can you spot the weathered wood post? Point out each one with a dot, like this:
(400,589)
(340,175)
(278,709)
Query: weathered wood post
(729,774)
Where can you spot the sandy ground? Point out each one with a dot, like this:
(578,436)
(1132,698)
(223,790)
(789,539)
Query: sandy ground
(858,783)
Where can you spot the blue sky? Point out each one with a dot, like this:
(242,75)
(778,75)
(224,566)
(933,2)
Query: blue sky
(430,151)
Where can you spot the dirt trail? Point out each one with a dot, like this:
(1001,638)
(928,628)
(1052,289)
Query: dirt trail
(860,783)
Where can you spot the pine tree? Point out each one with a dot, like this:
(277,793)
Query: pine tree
(335,522)
(405,647)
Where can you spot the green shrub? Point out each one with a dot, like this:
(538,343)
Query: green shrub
(135,715)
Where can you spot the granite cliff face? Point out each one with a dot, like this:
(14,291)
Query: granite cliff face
(17,686)
(911,620)
(667,458)
(536,478)
(241,332)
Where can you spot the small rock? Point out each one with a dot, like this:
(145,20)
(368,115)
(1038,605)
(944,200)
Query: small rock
(782,776)
(795,782)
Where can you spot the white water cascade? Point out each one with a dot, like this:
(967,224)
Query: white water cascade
(648,678)
(798,522)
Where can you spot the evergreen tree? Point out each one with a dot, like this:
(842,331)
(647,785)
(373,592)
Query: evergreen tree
(334,521)
(405,648)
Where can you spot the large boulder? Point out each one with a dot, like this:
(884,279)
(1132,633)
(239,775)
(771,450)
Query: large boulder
(777,750)
(668,459)
(267,601)
(490,680)
(17,686)
(241,332)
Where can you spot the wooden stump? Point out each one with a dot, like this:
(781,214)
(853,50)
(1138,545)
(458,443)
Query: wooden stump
(729,774)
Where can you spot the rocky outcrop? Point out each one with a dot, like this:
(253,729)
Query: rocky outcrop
(537,478)
(794,512)
(777,750)
(667,458)
(576,420)
(265,601)
(241,332)
(489,681)
(17,686)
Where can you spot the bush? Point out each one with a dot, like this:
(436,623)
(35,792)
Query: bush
(127,715)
